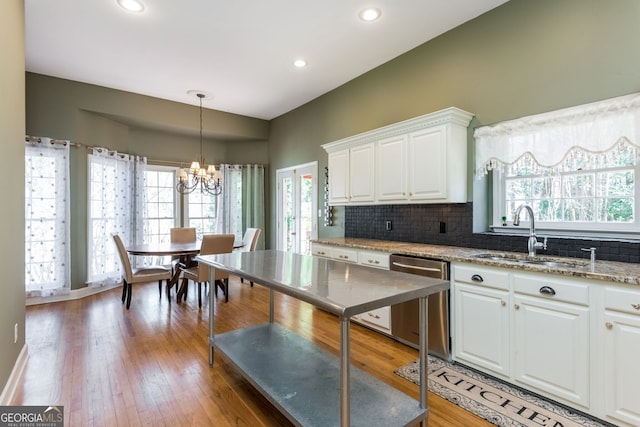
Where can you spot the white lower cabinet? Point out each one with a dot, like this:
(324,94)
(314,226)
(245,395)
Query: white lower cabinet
(572,340)
(378,319)
(324,251)
(481,324)
(621,347)
(552,337)
(551,348)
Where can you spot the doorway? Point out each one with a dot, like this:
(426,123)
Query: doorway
(297,200)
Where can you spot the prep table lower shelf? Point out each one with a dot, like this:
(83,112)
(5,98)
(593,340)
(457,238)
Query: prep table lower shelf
(303,381)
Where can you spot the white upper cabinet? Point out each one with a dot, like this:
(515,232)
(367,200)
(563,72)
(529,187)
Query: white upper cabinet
(421,160)
(351,178)
(391,158)
(361,178)
(339,182)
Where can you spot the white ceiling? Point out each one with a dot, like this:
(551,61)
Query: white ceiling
(238,51)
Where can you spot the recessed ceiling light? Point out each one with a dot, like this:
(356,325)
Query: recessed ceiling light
(131,5)
(300,63)
(370,14)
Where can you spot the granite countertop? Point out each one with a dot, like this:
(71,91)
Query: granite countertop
(618,272)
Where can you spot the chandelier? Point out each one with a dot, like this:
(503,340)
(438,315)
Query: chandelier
(208,179)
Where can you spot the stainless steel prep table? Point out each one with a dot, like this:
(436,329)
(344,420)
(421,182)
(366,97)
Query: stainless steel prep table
(308,384)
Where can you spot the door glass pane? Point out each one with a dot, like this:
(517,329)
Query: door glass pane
(306,219)
(288,219)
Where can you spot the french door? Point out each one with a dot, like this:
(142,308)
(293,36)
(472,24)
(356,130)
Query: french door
(297,201)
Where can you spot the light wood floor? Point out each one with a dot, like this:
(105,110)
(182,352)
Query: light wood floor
(148,365)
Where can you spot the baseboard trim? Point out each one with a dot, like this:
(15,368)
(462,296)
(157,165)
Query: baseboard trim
(10,388)
(73,295)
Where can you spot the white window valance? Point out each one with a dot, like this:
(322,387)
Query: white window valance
(549,138)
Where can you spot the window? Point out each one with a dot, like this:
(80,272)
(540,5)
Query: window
(201,211)
(116,205)
(584,193)
(160,204)
(575,167)
(47,254)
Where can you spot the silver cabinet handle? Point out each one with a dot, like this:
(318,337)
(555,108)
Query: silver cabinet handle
(415,267)
(516,306)
(375,316)
(636,306)
(503,303)
(609,325)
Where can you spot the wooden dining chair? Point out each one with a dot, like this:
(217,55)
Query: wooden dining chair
(211,244)
(132,276)
(249,243)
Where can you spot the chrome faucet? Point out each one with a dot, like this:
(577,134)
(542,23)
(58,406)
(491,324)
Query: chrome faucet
(532,244)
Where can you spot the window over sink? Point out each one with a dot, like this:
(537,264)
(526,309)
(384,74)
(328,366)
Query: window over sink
(575,167)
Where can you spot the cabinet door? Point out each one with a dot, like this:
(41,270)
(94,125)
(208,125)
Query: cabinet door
(338,163)
(481,327)
(427,164)
(391,176)
(361,177)
(379,319)
(621,366)
(344,254)
(552,352)
(374,259)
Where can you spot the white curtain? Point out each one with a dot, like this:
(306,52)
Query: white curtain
(116,203)
(546,140)
(47,231)
(241,204)
(253,198)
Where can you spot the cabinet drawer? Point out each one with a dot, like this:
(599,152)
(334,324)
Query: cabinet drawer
(489,277)
(621,299)
(321,250)
(344,254)
(374,259)
(381,318)
(556,289)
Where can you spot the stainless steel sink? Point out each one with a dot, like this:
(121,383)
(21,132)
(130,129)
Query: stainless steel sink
(515,259)
(556,264)
(498,257)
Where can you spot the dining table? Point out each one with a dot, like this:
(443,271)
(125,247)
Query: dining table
(186,252)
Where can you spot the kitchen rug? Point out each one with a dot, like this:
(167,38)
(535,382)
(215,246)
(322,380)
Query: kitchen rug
(493,400)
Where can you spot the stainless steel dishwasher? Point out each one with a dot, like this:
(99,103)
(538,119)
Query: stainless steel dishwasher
(405,316)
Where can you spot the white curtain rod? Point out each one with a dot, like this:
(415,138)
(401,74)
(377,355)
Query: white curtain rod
(38,139)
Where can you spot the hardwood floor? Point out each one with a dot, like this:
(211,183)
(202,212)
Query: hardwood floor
(148,365)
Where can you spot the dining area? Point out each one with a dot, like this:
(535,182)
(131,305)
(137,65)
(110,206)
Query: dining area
(173,262)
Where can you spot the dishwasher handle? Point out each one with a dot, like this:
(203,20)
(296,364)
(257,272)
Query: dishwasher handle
(416,267)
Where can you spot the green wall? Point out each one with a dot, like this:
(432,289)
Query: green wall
(524,57)
(163,131)
(12,118)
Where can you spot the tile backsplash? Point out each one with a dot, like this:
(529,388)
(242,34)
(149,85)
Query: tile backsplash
(452,224)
